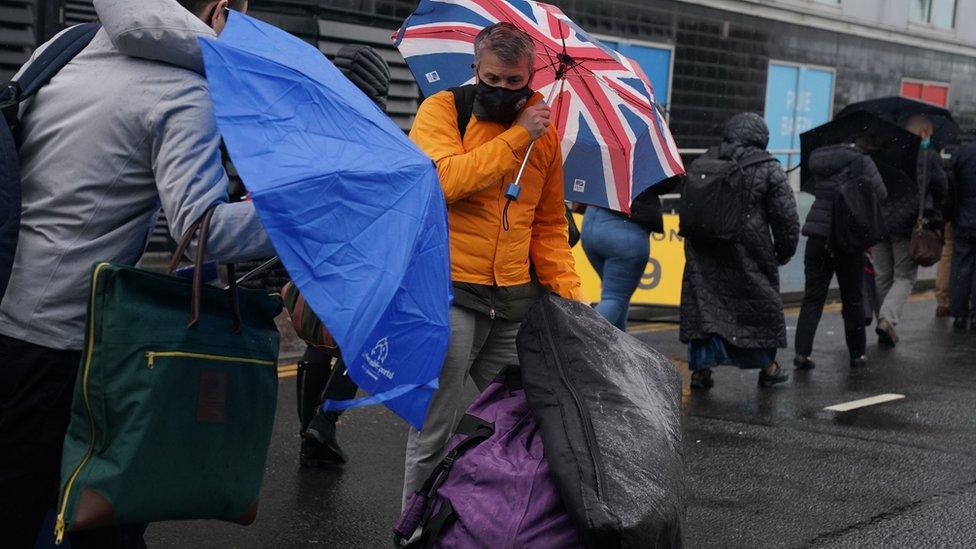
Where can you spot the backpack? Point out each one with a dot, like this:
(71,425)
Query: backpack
(856,222)
(578,446)
(714,201)
(464,105)
(493,487)
(15,92)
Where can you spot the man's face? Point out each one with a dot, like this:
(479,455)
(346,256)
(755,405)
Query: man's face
(493,71)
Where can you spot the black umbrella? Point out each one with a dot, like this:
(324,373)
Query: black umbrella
(896,155)
(898,110)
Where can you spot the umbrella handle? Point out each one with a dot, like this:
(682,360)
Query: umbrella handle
(512,192)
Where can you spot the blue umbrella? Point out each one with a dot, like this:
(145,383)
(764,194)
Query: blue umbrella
(354,209)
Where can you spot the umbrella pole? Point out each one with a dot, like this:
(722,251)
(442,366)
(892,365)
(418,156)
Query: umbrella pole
(513,190)
(257,270)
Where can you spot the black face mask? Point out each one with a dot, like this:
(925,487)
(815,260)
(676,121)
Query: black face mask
(501,104)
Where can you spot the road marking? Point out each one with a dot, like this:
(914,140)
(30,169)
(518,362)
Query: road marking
(870,401)
(287,370)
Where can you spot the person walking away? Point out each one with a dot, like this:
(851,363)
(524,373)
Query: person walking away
(493,241)
(834,167)
(896,270)
(731,310)
(124,128)
(618,246)
(322,373)
(962,285)
(944,266)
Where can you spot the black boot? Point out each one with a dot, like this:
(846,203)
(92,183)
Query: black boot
(803,363)
(859,361)
(702,379)
(776,376)
(320,448)
(960,324)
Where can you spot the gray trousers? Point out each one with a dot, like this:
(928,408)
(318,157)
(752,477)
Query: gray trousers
(896,273)
(479,346)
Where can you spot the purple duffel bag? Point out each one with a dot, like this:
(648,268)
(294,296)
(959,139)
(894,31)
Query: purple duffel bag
(493,487)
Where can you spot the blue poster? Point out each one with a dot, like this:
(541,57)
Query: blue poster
(656,62)
(797,98)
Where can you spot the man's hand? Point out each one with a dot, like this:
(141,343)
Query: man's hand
(535,119)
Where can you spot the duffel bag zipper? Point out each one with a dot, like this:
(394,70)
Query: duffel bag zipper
(580,407)
(151,357)
(59,523)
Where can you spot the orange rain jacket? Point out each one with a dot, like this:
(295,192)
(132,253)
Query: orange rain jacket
(474,175)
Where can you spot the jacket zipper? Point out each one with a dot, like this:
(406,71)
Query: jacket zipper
(151,357)
(580,408)
(59,523)
(494,257)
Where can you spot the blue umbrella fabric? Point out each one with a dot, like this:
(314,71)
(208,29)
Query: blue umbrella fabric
(354,209)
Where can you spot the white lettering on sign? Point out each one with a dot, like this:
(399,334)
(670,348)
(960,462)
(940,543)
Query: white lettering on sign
(432,77)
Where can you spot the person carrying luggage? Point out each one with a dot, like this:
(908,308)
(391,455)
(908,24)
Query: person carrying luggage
(835,247)
(731,310)
(493,241)
(123,128)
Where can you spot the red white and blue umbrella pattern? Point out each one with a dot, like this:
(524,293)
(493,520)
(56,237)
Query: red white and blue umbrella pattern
(615,142)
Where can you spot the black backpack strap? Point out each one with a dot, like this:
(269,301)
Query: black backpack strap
(50,61)
(760,157)
(464,104)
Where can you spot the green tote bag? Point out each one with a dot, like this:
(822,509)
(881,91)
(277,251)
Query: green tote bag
(175,399)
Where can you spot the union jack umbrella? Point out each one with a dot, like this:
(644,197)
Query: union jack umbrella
(615,142)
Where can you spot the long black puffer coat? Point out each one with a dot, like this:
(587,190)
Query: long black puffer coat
(833,166)
(733,290)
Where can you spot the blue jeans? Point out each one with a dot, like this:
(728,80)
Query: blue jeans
(618,249)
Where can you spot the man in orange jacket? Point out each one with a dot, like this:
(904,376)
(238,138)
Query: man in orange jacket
(495,242)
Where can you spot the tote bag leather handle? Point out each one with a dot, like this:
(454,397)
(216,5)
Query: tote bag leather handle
(201,229)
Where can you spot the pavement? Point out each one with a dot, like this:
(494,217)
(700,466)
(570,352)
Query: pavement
(764,467)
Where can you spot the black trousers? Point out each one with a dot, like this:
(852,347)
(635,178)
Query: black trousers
(319,380)
(36,387)
(962,280)
(820,265)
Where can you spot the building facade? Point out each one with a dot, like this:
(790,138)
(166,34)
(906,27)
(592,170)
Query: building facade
(794,61)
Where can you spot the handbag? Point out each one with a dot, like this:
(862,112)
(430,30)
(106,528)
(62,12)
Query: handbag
(175,399)
(308,327)
(925,246)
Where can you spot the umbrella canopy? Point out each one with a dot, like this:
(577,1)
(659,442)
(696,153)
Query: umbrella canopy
(354,209)
(615,142)
(896,160)
(898,110)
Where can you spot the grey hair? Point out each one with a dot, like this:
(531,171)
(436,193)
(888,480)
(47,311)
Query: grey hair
(506,41)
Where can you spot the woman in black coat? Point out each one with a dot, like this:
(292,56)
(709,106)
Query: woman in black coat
(731,311)
(833,166)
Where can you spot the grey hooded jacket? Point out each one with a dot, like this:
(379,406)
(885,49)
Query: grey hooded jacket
(125,128)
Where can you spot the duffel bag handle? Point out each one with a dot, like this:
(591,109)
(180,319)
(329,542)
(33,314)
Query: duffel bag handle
(201,229)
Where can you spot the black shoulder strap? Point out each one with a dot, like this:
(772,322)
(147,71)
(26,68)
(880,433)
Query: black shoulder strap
(760,157)
(49,62)
(464,104)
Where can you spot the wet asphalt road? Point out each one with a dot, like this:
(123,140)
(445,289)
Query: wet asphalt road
(765,468)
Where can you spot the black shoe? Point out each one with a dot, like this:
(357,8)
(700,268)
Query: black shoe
(804,363)
(859,361)
(768,380)
(960,324)
(886,333)
(319,445)
(702,379)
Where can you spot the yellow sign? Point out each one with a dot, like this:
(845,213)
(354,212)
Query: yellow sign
(661,283)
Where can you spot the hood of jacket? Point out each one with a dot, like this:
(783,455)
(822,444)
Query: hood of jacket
(745,130)
(158,30)
(826,161)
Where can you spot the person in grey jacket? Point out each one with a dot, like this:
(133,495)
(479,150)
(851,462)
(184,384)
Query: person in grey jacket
(833,166)
(125,128)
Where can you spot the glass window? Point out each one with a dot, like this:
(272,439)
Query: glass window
(939,13)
